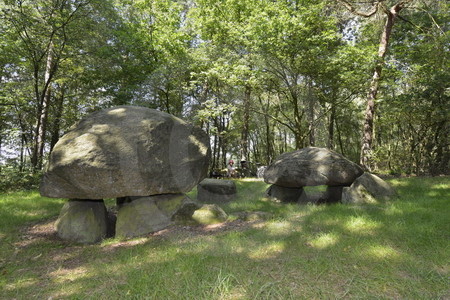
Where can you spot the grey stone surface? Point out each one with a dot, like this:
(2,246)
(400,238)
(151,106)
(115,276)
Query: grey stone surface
(312,166)
(357,195)
(127,151)
(313,197)
(143,215)
(333,194)
(83,221)
(216,191)
(368,188)
(284,194)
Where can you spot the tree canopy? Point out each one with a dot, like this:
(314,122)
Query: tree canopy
(367,79)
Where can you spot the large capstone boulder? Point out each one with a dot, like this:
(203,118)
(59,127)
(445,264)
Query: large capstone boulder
(143,215)
(127,151)
(312,166)
(368,188)
(83,221)
(216,191)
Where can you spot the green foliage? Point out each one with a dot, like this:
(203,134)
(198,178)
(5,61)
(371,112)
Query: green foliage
(13,180)
(293,72)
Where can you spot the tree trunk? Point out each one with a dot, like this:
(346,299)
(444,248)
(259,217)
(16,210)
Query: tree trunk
(42,116)
(57,122)
(331,127)
(245,124)
(367,141)
(312,116)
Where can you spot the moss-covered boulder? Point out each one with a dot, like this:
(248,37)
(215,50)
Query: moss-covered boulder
(209,214)
(83,221)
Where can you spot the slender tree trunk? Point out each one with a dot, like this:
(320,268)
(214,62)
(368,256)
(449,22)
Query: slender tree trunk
(245,124)
(331,127)
(298,125)
(1,152)
(312,116)
(44,103)
(22,150)
(224,139)
(341,144)
(214,156)
(367,141)
(57,122)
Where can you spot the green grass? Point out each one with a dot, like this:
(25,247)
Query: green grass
(393,250)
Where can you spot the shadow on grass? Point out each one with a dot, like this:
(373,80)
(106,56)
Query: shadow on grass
(398,249)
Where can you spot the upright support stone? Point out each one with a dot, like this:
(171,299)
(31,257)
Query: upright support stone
(83,221)
(333,194)
(143,215)
(284,194)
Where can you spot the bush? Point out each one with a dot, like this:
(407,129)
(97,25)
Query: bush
(13,180)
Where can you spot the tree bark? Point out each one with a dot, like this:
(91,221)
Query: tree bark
(42,116)
(245,124)
(331,127)
(312,116)
(367,140)
(58,115)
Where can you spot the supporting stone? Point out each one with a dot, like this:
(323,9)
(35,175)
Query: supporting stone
(284,194)
(368,188)
(333,194)
(143,215)
(83,221)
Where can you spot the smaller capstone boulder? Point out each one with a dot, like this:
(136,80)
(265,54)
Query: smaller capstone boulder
(216,191)
(312,166)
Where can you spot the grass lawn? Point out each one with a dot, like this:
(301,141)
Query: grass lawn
(391,250)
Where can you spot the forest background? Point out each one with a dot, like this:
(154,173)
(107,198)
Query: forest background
(369,79)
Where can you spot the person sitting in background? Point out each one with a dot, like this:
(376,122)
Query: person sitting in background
(231,171)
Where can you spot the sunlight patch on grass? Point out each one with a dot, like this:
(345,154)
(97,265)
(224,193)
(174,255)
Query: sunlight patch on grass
(383,252)
(279,228)
(251,179)
(393,210)
(110,244)
(361,225)
(25,283)
(324,240)
(63,275)
(267,251)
